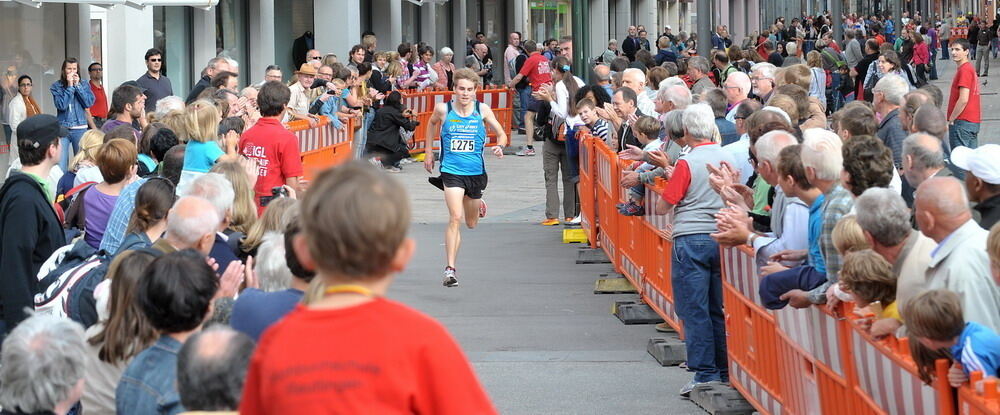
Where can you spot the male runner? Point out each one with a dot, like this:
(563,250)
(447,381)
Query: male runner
(463,123)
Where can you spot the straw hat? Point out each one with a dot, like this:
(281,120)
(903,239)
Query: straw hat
(306,69)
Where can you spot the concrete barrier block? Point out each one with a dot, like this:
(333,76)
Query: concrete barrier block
(616,285)
(635,312)
(721,400)
(667,351)
(592,256)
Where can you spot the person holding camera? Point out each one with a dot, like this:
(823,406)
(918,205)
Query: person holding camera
(72,98)
(384,138)
(271,145)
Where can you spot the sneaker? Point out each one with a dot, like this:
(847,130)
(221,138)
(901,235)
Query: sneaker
(575,221)
(449,277)
(523,152)
(393,169)
(550,222)
(482,208)
(686,389)
(632,209)
(530,151)
(375,161)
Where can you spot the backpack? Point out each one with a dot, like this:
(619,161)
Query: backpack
(63,270)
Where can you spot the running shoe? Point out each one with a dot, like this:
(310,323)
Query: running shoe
(575,221)
(393,169)
(686,390)
(550,222)
(482,208)
(449,277)
(530,151)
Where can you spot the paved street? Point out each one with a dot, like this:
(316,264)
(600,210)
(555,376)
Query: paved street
(989,130)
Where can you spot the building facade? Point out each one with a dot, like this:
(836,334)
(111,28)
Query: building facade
(38,34)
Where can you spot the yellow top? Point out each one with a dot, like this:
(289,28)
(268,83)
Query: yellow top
(891,311)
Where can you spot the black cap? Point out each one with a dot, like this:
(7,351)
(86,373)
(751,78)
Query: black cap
(41,129)
(135,84)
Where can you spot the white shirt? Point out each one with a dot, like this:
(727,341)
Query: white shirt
(560,107)
(16,112)
(646,105)
(741,152)
(299,100)
(795,226)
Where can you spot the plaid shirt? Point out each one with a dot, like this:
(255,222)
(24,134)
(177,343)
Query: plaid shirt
(838,203)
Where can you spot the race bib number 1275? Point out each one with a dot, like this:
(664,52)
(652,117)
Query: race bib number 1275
(463,146)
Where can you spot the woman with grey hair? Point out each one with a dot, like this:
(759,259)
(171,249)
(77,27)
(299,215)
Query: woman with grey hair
(46,379)
(445,69)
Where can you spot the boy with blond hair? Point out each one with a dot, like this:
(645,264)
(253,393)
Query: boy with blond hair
(353,350)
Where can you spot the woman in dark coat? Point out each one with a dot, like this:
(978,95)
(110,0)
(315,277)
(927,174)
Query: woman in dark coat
(384,138)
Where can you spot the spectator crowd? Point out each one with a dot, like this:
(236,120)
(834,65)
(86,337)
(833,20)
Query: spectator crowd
(176,261)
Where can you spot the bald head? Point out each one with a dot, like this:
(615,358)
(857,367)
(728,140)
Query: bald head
(942,206)
(603,73)
(211,369)
(737,87)
(190,221)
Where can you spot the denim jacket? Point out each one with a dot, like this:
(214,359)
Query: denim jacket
(149,383)
(71,102)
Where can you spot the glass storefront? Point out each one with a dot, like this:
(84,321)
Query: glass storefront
(231,34)
(489,17)
(172,35)
(549,19)
(293,24)
(411,22)
(31,46)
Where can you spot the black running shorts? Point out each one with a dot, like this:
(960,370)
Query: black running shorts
(473,185)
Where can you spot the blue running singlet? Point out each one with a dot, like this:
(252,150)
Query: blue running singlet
(462,142)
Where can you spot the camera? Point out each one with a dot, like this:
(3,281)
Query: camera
(276,192)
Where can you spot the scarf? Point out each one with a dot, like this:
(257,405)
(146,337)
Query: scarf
(31,107)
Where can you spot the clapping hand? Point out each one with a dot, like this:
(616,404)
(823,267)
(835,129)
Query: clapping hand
(631,153)
(659,158)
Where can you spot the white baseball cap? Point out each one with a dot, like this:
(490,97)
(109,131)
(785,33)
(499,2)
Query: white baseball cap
(982,162)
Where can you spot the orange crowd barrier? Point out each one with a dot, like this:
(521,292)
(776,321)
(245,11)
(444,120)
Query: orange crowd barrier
(789,361)
(501,101)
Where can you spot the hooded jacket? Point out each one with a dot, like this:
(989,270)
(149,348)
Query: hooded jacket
(29,233)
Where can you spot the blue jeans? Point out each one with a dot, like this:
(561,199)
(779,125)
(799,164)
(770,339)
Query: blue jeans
(933,63)
(964,133)
(944,50)
(74,141)
(697,282)
(573,152)
(773,286)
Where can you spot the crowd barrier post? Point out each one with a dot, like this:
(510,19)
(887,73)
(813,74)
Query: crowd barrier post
(973,402)
(657,251)
(607,176)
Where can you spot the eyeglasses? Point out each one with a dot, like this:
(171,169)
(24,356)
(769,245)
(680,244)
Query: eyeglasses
(156,59)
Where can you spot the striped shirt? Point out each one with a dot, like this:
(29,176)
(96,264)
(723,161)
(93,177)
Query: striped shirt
(600,130)
(838,203)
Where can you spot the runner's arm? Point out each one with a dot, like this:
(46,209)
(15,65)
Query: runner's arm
(492,122)
(433,125)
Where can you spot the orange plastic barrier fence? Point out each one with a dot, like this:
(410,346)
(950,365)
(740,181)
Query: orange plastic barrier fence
(635,245)
(789,361)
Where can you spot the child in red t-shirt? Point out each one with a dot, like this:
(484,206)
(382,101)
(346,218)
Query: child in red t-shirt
(272,146)
(354,351)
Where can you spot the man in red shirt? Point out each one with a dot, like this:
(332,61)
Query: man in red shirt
(963,101)
(352,350)
(538,72)
(99,111)
(271,145)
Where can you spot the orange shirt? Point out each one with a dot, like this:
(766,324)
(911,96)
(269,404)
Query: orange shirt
(380,357)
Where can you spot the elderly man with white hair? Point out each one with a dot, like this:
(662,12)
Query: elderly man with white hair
(635,80)
(923,158)
(671,97)
(823,160)
(695,260)
(737,89)
(762,80)
(42,366)
(217,190)
(792,49)
(888,97)
(960,262)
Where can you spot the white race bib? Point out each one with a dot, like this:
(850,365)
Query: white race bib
(463,146)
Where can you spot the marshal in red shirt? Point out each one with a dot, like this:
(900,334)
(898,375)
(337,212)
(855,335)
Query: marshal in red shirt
(966,77)
(276,151)
(380,357)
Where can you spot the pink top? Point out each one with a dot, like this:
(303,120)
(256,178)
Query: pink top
(920,54)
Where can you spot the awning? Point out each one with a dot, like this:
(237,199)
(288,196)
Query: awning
(203,4)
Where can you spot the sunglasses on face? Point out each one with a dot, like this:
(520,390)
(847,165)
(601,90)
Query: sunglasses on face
(156,59)
(316,58)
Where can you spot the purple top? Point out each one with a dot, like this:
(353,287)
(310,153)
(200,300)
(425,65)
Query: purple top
(112,124)
(98,207)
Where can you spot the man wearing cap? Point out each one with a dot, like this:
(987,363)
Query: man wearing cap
(30,230)
(128,104)
(154,81)
(982,180)
(299,102)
